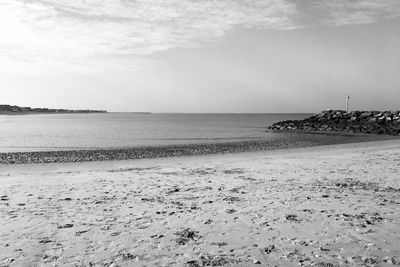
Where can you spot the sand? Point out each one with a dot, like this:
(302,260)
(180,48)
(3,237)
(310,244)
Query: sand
(320,206)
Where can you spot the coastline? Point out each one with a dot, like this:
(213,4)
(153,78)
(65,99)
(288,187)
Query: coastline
(334,205)
(286,141)
(46,113)
(6,109)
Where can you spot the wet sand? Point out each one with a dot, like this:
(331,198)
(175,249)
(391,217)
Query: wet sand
(317,206)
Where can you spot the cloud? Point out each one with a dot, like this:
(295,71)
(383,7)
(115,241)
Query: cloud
(346,12)
(119,33)
(65,30)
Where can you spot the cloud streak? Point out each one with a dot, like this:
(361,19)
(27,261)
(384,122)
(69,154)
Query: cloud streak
(347,12)
(81,32)
(68,30)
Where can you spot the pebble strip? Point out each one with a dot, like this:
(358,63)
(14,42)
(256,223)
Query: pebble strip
(288,140)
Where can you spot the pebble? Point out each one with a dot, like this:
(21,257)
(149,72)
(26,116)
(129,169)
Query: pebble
(286,141)
(68,225)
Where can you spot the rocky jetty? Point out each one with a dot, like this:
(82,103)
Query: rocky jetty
(369,122)
(8,109)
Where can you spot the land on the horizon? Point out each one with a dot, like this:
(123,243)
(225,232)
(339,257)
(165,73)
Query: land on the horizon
(17,110)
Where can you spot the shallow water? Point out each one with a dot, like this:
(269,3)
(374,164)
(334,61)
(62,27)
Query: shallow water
(110,130)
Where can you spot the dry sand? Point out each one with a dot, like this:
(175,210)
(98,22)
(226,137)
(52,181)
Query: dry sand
(325,206)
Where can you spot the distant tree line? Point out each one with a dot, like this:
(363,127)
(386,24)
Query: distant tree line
(16,109)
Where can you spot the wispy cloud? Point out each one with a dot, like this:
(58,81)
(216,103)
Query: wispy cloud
(65,30)
(80,32)
(345,12)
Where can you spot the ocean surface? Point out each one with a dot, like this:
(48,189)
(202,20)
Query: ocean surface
(111,130)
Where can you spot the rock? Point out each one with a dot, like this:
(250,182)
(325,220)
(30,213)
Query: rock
(211,260)
(365,114)
(255,261)
(209,221)
(192,263)
(231,199)
(185,236)
(45,241)
(230,211)
(293,218)
(268,250)
(68,225)
(375,122)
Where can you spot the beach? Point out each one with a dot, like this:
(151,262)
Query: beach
(333,205)
(199,133)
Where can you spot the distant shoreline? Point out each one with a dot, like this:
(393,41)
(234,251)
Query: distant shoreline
(286,141)
(45,113)
(52,113)
(17,110)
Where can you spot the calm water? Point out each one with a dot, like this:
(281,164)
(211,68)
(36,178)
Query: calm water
(87,131)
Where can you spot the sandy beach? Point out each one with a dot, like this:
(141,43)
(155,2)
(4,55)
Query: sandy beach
(335,205)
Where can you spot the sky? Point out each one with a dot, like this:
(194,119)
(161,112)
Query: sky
(258,56)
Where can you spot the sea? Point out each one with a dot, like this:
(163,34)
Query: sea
(51,132)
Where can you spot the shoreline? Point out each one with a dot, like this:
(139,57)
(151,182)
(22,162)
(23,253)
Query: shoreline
(286,141)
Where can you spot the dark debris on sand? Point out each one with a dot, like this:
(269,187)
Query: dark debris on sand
(186,235)
(210,260)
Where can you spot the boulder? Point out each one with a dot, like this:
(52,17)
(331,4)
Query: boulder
(365,114)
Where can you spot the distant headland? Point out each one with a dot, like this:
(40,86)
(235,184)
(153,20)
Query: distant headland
(15,110)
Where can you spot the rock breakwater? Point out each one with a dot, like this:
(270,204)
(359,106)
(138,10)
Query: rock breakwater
(369,122)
